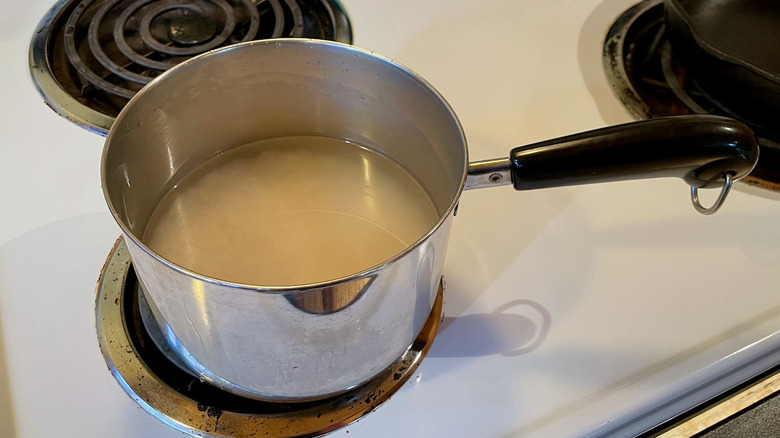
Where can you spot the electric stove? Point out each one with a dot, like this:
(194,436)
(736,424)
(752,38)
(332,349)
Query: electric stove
(595,311)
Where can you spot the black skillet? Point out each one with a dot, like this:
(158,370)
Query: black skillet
(731,48)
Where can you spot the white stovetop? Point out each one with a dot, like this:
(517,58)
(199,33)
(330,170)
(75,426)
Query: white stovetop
(569,312)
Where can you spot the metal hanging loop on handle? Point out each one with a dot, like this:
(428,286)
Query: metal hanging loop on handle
(718,202)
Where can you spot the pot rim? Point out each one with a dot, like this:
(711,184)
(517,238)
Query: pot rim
(297,288)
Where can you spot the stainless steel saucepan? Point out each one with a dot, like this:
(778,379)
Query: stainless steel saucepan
(304,342)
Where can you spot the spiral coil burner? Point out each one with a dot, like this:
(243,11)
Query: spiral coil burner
(89,57)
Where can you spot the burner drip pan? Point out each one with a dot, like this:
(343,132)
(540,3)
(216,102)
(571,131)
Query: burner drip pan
(185,403)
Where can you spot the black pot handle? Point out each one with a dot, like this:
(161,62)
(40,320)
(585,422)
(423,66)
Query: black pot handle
(705,151)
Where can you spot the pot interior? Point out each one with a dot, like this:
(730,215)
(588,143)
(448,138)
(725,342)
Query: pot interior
(278,89)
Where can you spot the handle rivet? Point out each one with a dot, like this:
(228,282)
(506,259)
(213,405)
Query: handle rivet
(496,177)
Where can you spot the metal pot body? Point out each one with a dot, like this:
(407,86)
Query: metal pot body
(298,342)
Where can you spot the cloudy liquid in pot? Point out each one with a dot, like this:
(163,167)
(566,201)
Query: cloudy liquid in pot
(290,211)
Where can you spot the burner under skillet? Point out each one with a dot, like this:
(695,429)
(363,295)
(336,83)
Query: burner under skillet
(183,402)
(646,77)
(89,57)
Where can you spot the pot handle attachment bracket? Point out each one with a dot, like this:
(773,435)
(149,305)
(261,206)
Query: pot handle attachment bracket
(489,173)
